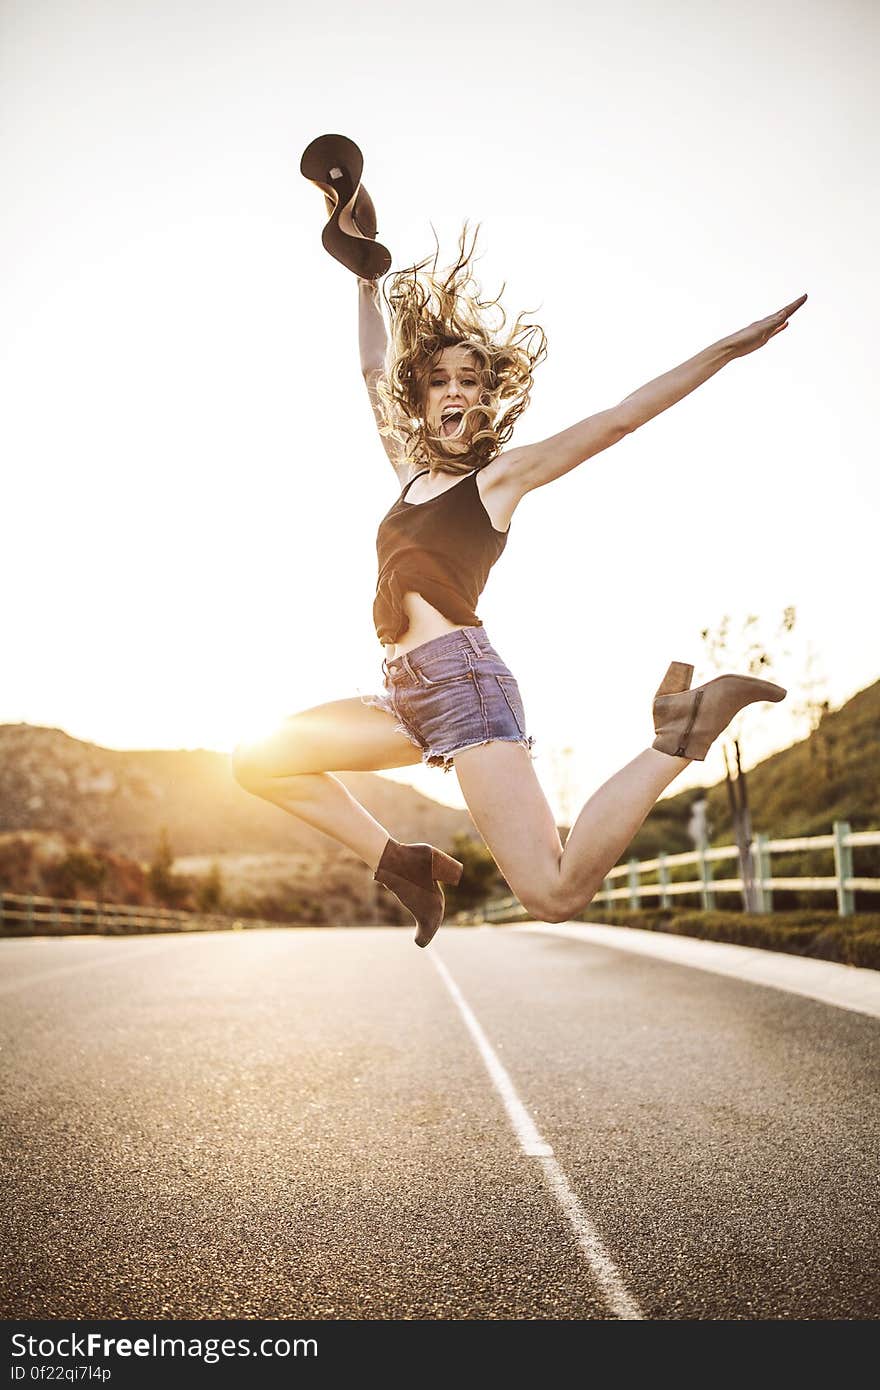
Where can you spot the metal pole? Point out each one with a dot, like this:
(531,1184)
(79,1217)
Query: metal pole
(843,868)
(764,873)
(708,897)
(743,794)
(663,876)
(634,884)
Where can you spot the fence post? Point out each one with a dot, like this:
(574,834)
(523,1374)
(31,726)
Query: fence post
(606,892)
(843,868)
(30,912)
(663,876)
(77,911)
(1,909)
(706,894)
(633,877)
(763,874)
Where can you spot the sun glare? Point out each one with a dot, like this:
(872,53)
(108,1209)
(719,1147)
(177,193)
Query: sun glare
(254,726)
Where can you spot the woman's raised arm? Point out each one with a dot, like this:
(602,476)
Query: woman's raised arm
(537,464)
(373,341)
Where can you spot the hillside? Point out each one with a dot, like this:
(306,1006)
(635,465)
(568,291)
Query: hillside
(119,800)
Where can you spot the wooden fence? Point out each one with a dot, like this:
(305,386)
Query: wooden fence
(632,890)
(29,914)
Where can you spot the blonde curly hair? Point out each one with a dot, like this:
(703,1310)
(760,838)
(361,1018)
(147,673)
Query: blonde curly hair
(430,311)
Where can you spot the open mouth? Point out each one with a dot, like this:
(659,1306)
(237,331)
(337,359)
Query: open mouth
(452,423)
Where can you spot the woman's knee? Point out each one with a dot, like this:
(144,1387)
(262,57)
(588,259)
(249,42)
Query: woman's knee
(551,902)
(539,899)
(251,768)
(254,771)
(546,909)
(246,768)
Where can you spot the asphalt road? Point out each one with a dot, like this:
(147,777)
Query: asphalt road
(302,1124)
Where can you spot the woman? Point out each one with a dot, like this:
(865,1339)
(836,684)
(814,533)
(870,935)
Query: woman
(446,394)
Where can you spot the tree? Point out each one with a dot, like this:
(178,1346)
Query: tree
(480,876)
(170,888)
(209,894)
(812,707)
(745,649)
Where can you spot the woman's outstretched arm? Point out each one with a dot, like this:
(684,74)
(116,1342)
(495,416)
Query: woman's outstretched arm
(541,463)
(373,341)
(665,390)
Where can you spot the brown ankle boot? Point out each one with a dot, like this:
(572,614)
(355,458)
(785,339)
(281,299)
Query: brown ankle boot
(687,721)
(411,871)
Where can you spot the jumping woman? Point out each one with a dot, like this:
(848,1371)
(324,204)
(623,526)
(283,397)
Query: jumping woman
(446,392)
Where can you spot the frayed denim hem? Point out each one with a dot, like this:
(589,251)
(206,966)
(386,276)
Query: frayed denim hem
(442,760)
(382,702)
(445,760)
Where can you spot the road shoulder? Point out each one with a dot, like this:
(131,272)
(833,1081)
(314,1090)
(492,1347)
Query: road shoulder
(843,986)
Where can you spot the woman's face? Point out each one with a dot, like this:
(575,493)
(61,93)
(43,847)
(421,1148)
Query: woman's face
(453,386)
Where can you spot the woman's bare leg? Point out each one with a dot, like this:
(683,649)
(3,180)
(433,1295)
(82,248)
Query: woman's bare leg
(290,769)
(611,817)
(512,813)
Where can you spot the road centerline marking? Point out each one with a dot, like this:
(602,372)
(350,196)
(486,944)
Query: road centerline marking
(602,1266)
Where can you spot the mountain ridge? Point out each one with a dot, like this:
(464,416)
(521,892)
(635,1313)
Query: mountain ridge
(120,799)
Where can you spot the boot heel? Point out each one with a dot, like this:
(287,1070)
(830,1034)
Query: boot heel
(444,868)
(677,679)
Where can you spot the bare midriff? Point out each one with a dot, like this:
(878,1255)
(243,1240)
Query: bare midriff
(425,623)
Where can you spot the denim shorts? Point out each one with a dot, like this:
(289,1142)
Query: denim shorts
(452,693)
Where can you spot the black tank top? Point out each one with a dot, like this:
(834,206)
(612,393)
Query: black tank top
(442,549)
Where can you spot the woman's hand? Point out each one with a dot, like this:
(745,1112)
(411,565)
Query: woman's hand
(757,334)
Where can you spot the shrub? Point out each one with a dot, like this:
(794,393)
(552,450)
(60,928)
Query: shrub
(78,869)
(851,940)
(209,892)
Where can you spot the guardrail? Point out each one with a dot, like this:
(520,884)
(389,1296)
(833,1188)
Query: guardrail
(842,841)
(74,916)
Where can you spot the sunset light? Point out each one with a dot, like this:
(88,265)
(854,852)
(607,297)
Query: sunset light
(440,700)
(189,426)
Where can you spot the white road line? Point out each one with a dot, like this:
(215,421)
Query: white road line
(605,1271)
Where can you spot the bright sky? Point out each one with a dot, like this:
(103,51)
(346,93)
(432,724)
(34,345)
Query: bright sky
(193,481)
